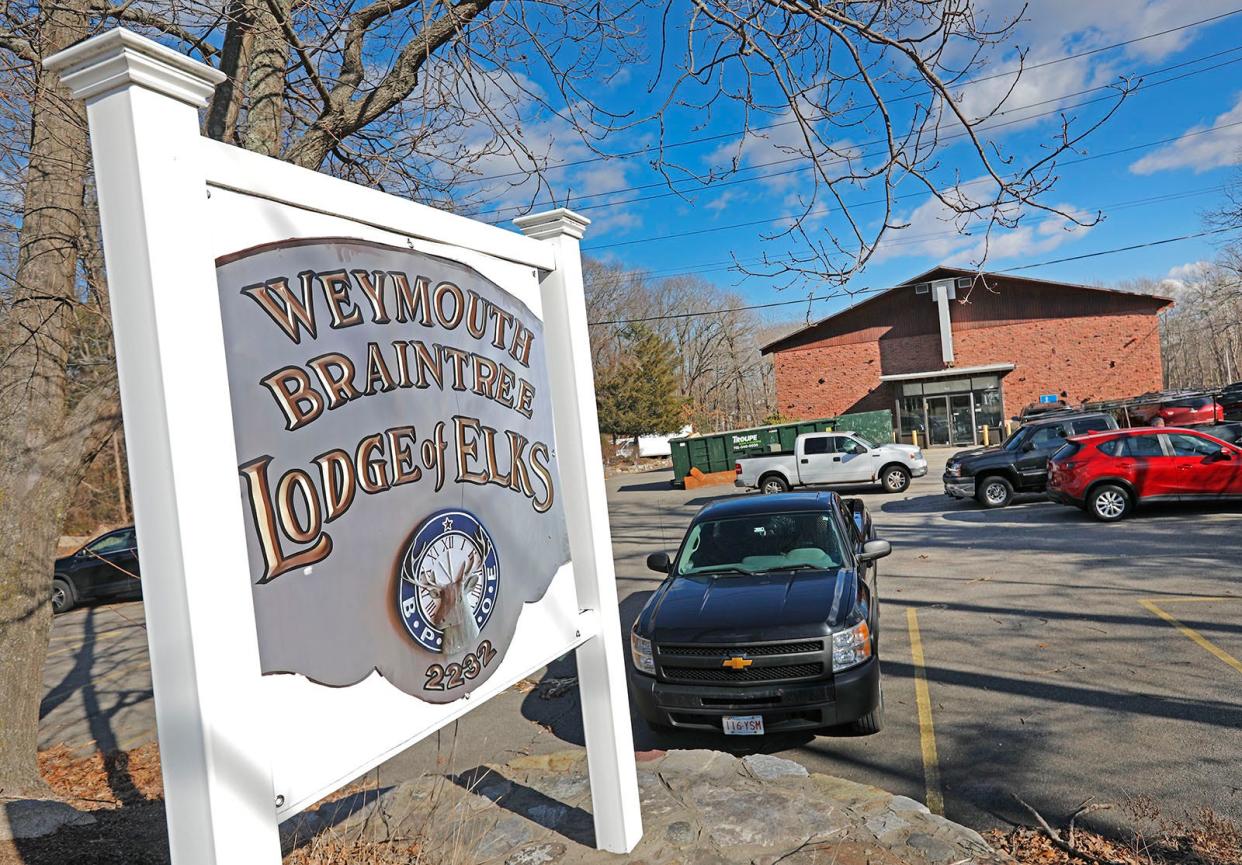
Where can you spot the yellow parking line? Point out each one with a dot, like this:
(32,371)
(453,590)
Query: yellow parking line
(1202,641)
(927,733)
(1190,599)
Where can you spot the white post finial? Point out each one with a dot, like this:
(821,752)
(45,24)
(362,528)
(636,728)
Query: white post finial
(119,58)
(561,222)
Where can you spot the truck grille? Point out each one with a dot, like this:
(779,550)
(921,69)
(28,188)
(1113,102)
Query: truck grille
(749,674)
(701,651)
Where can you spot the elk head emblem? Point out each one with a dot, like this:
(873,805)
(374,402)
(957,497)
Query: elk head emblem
(450,584)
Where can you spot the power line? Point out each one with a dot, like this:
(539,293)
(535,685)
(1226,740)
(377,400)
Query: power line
(806,164)
(824,211)
(716,137)
(848,293)
(904,240)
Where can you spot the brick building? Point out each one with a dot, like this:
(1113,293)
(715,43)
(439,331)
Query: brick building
(949,356)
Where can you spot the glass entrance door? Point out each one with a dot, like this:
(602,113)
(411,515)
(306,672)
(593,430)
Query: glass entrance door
(962,419)
(937,420)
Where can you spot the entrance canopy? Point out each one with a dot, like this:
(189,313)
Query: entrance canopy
(952,371)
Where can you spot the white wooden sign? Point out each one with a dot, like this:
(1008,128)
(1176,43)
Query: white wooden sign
(365,463)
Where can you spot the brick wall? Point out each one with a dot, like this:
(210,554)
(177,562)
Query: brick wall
(1088,356)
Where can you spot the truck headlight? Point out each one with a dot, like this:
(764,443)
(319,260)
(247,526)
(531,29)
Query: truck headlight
(954,469)
(850,647)
(640,651)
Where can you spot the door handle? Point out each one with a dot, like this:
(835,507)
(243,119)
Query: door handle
(836,459)
(805,460)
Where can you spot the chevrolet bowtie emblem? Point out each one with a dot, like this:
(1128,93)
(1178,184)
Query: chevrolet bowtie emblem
(738,663)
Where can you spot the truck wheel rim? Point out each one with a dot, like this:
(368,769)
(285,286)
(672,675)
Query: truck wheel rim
(58,598)
(896,480)
(995,493)
(772,487)
(1109,504)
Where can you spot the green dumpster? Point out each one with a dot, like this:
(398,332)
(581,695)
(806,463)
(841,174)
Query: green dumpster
(718,452)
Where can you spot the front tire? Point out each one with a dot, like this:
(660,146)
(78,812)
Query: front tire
(895,479)
(772,484)
(994,492)
(1109,503)
(62,596)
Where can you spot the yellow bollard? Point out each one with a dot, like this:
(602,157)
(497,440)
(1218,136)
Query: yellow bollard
(985,436)
(915,436)
(1008,429)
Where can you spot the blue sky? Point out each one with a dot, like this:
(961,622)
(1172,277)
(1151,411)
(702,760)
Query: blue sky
(1183,176)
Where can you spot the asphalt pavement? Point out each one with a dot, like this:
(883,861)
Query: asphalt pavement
(1027,652)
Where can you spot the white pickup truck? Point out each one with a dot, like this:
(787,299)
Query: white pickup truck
(832,458)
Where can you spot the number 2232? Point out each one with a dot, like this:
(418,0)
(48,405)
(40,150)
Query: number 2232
(446,678)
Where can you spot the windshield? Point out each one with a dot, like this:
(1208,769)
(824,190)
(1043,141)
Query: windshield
(868,445)
(759,543)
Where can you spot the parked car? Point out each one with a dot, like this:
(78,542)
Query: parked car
(1181,411)
(832,458)
(992,475)
(106,567)
(767,620)
(1230,399)
(1109,473)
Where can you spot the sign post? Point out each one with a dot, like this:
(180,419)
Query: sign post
(364,456)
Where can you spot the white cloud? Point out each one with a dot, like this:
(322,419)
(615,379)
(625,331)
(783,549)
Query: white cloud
(1196,151)
(1055,29)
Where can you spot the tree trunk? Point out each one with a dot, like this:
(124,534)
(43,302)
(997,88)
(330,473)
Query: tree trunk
(42,439)
(265,79)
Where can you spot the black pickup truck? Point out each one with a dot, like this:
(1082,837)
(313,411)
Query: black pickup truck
(767,620)
(992,475)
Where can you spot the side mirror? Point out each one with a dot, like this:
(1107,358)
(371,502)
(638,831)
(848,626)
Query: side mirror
(1219,456)
(1028,447)
(659,562)
(873,550)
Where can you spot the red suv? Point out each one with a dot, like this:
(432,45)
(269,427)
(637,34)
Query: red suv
(1182,411)
(1108,473)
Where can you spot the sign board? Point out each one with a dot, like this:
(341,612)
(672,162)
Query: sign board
(364,458)
(1048,397)
(393,419)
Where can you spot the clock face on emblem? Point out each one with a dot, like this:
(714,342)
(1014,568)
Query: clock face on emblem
(450,577)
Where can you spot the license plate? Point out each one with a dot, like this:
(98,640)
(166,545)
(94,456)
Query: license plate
(743,725)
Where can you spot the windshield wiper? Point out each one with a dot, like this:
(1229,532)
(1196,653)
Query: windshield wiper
(720,569)
(797,566)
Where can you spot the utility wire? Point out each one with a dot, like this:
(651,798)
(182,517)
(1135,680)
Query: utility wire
(806,165)
(904,239)
(716,137)
(860,291)
(824,211)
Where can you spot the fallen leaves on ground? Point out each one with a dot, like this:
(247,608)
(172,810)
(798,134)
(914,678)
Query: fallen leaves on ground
(103,780)
(1201,838)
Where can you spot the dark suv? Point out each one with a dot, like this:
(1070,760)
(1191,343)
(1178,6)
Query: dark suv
(1020,464)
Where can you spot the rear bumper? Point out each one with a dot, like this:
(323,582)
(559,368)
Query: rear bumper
(844,698)
(959,487)
(1063,498)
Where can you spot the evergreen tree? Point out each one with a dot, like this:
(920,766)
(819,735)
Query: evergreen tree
(639,395)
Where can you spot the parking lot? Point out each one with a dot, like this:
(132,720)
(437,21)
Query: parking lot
(1027,651)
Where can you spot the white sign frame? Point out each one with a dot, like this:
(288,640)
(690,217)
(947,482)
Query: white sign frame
(241,751)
